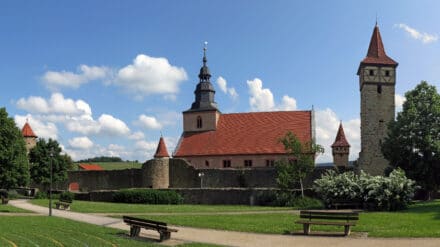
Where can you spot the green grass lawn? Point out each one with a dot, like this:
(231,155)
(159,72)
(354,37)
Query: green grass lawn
(53,231)
(420,220)
(116,165)
(104,207)
(10,209)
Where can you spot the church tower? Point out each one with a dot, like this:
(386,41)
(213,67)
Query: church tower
(203,114)
(340,149)
(377,80)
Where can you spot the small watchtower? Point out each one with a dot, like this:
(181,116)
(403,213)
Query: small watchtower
(29,136)
(157,170)
(340,149)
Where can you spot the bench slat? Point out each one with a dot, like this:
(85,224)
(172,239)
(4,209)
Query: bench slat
(333,212)
(334,223)
(144,220)
(330,217)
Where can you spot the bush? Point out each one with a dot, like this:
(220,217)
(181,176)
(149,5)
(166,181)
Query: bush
(40,195)
(385,193)
(67,196)
(148,196)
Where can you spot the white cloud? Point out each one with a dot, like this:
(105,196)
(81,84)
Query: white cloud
(57,104)
(138,135)
(146,146)
(221,82)
(261,99)
(41,129)
(150,75)
(415,34)
(149,122)
(81,143)
(55,80)
(327,123)
(112,126)
(287,103)
(399,100)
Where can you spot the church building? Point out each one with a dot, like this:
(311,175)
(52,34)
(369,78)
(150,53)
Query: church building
(211,139)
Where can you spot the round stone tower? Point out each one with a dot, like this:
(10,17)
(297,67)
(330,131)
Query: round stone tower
(157,170)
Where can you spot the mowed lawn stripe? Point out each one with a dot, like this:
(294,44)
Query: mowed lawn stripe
(420,220)
(109,207)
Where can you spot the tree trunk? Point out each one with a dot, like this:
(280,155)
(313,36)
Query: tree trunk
(302,187)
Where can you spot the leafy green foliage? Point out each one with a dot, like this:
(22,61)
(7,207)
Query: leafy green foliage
(41,160)
(14,165)
(67,196)
(386,193)
(298,164)
(148,196)
(413,141)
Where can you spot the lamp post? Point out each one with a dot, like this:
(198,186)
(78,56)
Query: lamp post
(201,174)
(50,182)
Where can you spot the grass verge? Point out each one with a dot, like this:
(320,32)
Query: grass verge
(53,231)
(11,209)
(106,207)
(420,220)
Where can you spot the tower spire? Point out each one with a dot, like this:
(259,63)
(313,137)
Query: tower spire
(204,53)
(376,52)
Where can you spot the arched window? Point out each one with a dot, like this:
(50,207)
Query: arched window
(199,122)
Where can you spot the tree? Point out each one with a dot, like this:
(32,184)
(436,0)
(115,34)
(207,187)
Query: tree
(413,141)
(40,159)
(14,165)
(299,163)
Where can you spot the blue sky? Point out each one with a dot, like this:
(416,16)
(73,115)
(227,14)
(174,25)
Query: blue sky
(108,77)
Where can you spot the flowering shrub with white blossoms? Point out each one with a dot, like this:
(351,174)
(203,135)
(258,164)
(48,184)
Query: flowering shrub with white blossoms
(385,193)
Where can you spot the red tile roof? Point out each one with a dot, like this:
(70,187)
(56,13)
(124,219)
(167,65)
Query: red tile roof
(90,167)
(340,140)
(27,131)
(247,133)
(376,51)
(161,150)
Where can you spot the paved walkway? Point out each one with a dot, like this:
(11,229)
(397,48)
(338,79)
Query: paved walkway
(229,238)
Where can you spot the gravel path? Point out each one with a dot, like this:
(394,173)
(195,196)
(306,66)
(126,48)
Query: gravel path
(229,238)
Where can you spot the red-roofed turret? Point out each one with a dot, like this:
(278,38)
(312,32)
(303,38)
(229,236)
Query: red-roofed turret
(340,140)
(161,151)
(27,131)
(340,148)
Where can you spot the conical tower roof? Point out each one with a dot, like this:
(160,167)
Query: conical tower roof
(27,131)
(376,52)
(340,140)
(161,151)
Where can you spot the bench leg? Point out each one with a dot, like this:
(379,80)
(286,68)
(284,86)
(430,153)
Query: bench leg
(134,231)
(306,228)
(164,235)
(346,230)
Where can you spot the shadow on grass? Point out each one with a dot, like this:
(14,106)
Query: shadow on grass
(428,207)
(143,238)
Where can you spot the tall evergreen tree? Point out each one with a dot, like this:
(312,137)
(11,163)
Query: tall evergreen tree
(14,165)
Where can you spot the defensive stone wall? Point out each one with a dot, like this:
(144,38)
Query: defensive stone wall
(181,175)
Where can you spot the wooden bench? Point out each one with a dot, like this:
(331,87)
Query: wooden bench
(346,218)
(136,224)
(61,204)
